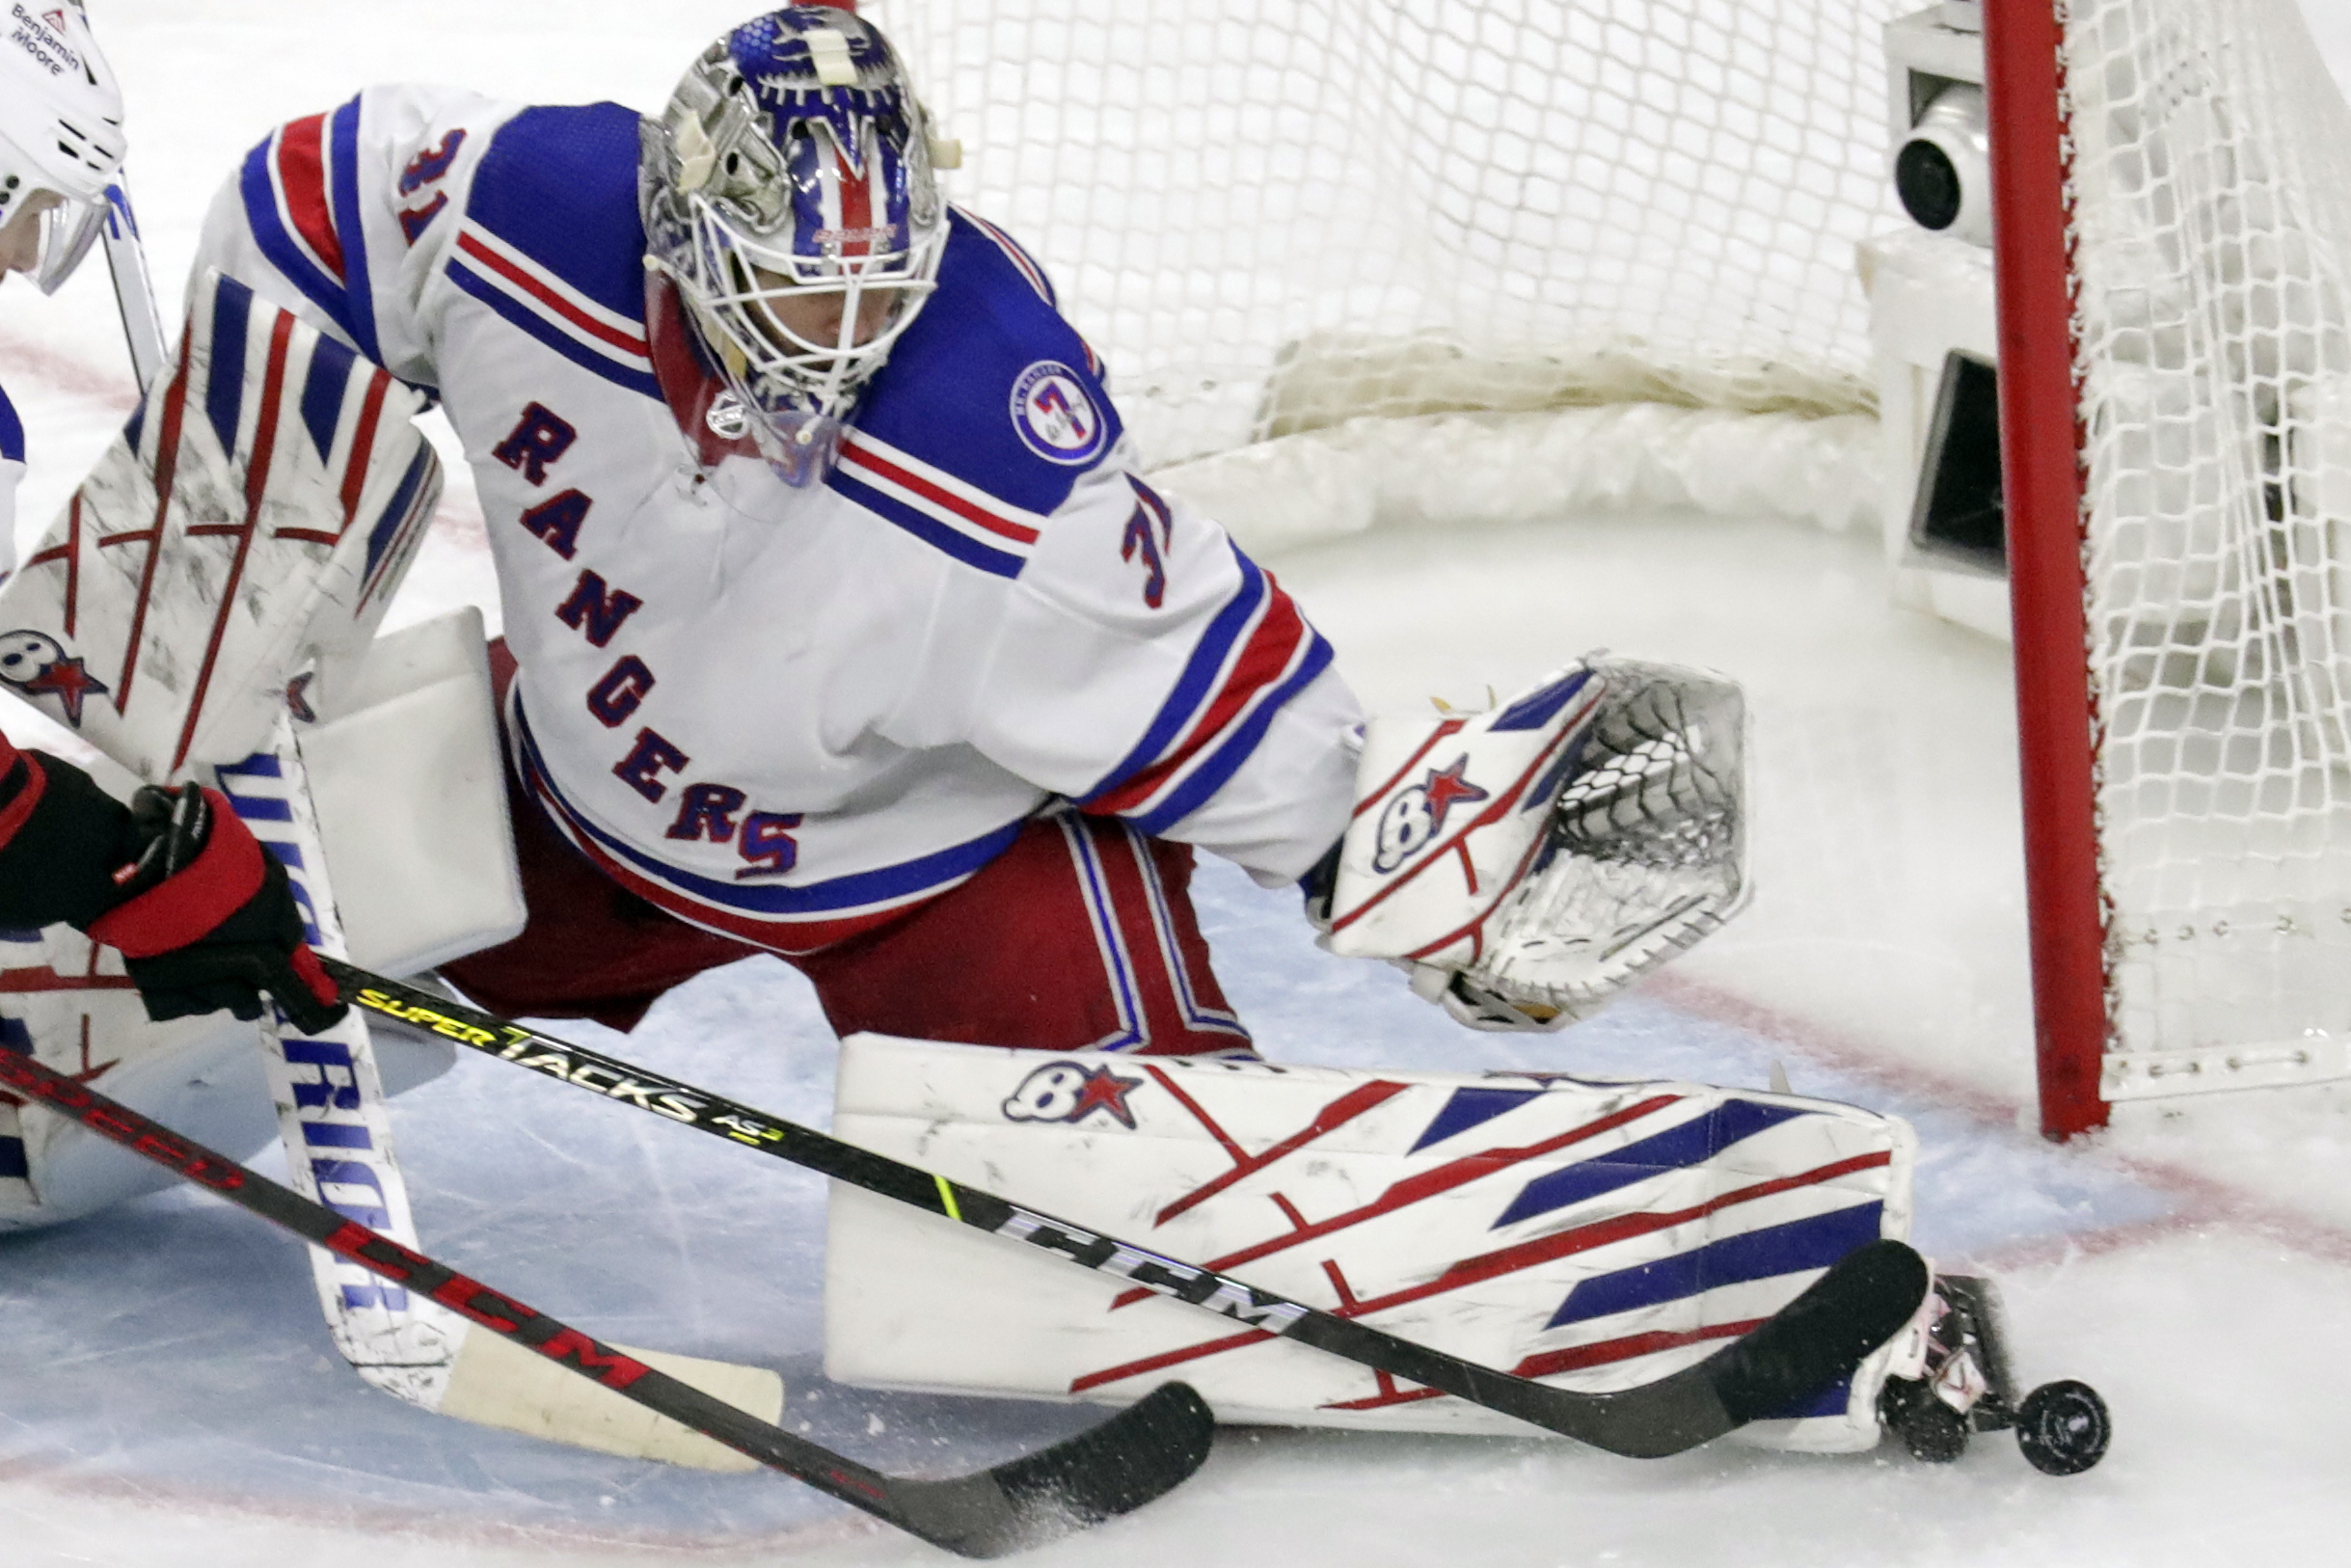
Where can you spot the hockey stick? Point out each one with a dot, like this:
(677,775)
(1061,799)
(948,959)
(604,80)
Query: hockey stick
(406,1346)
(333,1116)
(134,290)
(1108,1470)
(1821,1335)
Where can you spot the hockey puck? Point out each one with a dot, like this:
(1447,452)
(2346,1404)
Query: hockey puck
(2064,1427)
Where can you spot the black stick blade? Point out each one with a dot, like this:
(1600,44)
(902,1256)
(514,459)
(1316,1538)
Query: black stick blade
(1146,1450)
(1823,1335)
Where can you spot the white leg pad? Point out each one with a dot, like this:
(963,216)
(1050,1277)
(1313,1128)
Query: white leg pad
(1595,1234)
(164,625)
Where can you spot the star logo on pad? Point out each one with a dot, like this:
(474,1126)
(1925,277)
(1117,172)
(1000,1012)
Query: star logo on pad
(1071,1091)
(1105,1090)
(37,665)
(1445,790)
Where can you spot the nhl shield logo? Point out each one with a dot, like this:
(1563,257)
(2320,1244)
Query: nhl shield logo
(1056,417)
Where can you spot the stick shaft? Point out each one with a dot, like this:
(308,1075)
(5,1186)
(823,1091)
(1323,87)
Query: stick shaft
(479,1303)
(134,289)
(1107,1470)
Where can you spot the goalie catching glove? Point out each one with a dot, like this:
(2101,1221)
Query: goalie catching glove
(1528,862)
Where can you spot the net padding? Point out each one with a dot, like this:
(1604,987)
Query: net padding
(1270,216)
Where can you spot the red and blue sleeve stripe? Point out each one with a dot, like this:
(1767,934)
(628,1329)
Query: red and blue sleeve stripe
(551,242)
(1257,655)
(302,202)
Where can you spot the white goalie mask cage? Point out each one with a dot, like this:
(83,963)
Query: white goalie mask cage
(61,132)
(787,191)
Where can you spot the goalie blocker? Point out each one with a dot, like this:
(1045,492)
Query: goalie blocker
(206,606)
(1526,863)
(237,542)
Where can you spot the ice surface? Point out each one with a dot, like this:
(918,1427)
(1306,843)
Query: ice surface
(167,1393)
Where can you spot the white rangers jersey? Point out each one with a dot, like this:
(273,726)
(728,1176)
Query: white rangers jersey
(784,713)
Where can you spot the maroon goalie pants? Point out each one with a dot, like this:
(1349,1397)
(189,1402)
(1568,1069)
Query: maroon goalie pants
(1080,936)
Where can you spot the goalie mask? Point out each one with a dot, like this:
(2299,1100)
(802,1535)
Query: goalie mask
(787,190)
(61,137)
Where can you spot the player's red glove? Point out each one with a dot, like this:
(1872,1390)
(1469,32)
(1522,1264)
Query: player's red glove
(209,921)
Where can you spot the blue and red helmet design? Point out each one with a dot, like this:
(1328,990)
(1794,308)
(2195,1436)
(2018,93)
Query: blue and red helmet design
(794,161)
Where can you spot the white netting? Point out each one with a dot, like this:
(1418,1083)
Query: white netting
(2211,198)
(1273,215)
(1277,219)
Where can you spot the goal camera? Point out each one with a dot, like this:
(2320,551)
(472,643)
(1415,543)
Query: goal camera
(1942,168)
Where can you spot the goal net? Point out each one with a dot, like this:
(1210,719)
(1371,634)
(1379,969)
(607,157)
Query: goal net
(1274,216)
(2210,201)
(1637,221)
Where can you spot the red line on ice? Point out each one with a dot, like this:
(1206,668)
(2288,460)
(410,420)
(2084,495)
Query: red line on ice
(2205,1200)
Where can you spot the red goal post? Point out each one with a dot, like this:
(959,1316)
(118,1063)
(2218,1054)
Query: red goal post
(2172,204)
(2041,486)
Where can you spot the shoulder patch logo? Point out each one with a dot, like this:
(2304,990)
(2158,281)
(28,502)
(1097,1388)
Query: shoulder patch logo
(1056,415)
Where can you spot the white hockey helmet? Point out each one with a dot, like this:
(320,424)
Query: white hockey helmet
(61,130)
(787,190)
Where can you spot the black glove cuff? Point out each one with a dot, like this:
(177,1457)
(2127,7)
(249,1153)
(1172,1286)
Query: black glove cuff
(59,865)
